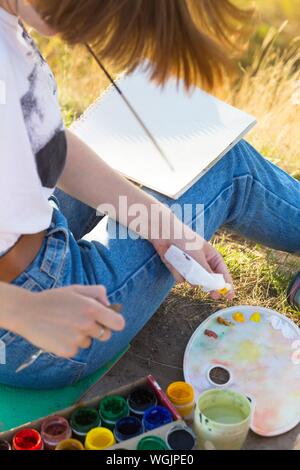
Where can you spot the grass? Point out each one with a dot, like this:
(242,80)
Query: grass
(260,275)
(269,88)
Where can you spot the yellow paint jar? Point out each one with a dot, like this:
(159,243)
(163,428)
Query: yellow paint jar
(182,395)
(70,444)
(99,439)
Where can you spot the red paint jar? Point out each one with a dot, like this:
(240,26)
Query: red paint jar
(28,439)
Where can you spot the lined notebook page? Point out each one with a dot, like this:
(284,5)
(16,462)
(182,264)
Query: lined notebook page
(193,130)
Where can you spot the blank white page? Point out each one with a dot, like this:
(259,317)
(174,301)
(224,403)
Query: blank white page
(194,130)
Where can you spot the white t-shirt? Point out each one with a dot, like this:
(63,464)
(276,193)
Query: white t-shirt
(32,135)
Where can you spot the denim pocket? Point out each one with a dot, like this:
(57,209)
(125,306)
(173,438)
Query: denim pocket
(47,371)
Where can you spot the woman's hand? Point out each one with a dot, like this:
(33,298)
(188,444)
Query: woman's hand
(200,250)
(63,320)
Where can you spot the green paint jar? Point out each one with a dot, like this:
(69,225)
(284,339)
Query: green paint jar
(152,443)
(112,409)
(83,420)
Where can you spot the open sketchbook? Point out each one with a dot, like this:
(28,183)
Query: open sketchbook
(186,133)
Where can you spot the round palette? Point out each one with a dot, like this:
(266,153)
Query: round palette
(253,350)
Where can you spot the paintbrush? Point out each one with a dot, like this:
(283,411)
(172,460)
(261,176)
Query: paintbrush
(131,108)
(33,358)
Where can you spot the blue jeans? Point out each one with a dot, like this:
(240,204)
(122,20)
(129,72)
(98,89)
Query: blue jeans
(243,191)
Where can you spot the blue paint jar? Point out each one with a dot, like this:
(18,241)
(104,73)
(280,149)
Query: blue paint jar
(156,417)
(140,400)
(128,427)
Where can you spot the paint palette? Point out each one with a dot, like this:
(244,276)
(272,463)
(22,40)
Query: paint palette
(253,350)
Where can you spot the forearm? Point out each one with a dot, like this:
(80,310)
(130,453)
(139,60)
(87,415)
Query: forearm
(13,304)
(89,179)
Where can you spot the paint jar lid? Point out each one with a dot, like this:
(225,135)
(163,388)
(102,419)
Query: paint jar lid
(113,408)
(84,419)
(140,399)
(181,437)
(156,417)
(180,393)
(152,443)
(70,444)
(127,427)
(4,445)
(99,439)
(27,439)
(55,429)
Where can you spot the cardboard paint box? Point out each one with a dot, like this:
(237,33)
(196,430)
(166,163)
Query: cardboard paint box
(130,444)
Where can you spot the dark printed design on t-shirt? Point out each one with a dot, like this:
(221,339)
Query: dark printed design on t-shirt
(45,129)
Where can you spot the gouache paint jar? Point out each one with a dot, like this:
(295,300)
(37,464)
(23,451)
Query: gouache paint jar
(152,443)
(4,445)
(222,420)
(112,409)
(70,444)
(156,417)
(54,430)
(99,439)
(28,439)
(181,437)
(83,420)
(182,396)
(128,427)
(140,400)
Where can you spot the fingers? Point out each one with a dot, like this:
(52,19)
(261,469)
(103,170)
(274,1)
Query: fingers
(100,332)
(96,292)
(178,278)
(102,318)
(107,317)
(99,306)
(215,295)
(102,296)
(85,343)
(220,267)
(105,335)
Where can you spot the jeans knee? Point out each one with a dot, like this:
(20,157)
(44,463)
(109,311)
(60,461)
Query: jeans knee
(246,160)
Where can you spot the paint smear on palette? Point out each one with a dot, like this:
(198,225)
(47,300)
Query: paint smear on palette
(238,317)
(249,351)
(222,321)
(258,357)
(211,334)
(255,317)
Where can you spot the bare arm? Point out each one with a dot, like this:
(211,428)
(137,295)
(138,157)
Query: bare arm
(12,298)
(88,178)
